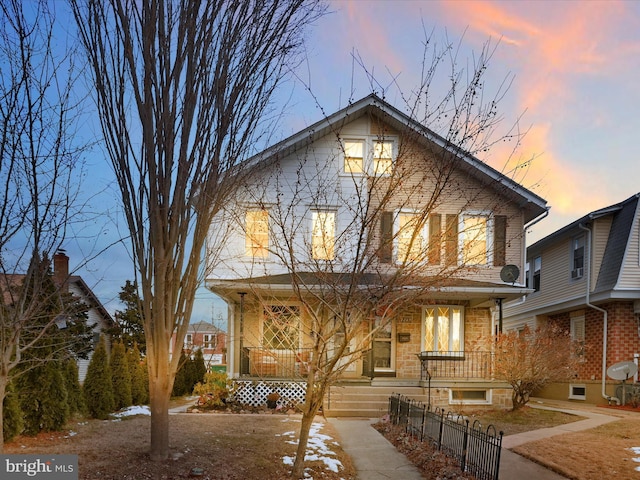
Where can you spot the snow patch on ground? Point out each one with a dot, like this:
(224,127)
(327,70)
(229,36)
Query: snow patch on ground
(317,449)
(636,451)
(134,410)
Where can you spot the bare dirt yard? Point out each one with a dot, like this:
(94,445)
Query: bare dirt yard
(255,446)
(215,446)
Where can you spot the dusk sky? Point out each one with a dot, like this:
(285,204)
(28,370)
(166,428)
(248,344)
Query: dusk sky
(575,72)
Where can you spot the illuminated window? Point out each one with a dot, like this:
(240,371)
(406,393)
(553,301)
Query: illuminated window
(410,239)
(474,239)
(323,235)
(368,156)
(354,156)
(257,233)
(443,329)
(382,158)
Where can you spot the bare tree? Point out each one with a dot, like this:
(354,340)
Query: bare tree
(379,246)
(40,168)
(531,359)
(183,91)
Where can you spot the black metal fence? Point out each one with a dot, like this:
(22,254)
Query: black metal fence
(476,450)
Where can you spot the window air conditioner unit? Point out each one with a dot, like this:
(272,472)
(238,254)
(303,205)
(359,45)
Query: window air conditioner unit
(577,273)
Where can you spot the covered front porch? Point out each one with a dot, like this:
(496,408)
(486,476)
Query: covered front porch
(440,344)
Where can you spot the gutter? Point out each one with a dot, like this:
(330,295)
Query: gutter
(605,319)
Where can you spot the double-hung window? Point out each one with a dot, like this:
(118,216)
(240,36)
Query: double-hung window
(257,233)
(354,156)
(410,240)
(444,329)
(577,270)
(537,269)
(323,235)
(368,155)
(578,335)
(208,341)
(474,232)
(382,158)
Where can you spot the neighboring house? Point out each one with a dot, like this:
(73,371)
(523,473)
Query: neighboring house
(586,278)
(206,337)
(97,315)
(315,183)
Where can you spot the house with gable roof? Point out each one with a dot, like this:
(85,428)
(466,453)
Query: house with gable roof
(428,205)
(97,315)
(586,279)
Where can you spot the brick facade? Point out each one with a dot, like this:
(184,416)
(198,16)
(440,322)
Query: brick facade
(623,336)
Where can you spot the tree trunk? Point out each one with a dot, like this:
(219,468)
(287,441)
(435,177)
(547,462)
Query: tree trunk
(313,402)
(3,391)
(159,396)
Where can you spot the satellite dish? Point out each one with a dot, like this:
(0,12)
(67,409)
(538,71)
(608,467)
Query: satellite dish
(622,370)
(509,273)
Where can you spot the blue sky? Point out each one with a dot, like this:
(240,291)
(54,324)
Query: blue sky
(575,68)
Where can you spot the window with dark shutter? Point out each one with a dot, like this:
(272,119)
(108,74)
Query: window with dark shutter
(500,240)
(435,243)
(385,252)
(451,240)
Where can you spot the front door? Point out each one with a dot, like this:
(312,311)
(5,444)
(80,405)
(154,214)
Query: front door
(384,347)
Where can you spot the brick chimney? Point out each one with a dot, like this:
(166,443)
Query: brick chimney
(61,270)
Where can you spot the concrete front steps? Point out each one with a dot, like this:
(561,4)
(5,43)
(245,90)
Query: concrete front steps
(369,401)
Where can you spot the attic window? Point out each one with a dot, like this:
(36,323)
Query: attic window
(369,155)
(354,156)
(382,157)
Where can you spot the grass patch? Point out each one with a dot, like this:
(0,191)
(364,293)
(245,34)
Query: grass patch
(522,420)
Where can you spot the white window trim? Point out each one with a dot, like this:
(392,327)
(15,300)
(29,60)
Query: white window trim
(368,151)
(573,396)
(252,258)
(334,211)
(577,273)
(487,401)
(489,240)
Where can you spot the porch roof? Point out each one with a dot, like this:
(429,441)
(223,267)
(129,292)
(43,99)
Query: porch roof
(477,293)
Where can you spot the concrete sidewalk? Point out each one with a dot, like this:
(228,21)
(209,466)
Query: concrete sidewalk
(376,458)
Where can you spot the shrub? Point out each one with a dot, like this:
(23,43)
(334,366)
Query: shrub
(98,389)
(12,415)
(120,376)
(75,398)
(214,391)
(43,398)
(138,374)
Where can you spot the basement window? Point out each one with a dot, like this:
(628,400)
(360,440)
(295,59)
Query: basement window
(469,397)
(577,392)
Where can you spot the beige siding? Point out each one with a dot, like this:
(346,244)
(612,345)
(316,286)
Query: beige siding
(600,236)
(630,275)
(556,284)
(314,177)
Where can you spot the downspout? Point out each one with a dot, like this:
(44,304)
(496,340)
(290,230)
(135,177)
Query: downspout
(605,318)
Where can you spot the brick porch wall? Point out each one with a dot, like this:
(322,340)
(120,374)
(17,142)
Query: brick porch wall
(477,328)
